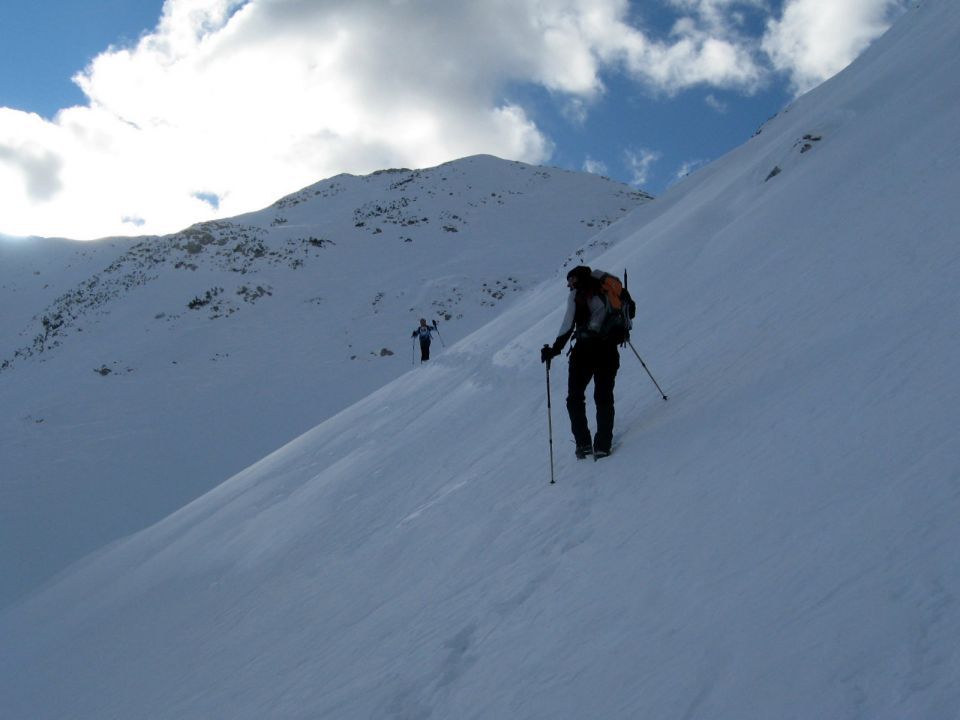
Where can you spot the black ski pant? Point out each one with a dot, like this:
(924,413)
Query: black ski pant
(599,361)
(424,350)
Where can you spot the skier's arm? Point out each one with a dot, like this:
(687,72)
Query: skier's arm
(566,327)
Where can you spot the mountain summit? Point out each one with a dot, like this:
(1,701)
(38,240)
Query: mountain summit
(138,373)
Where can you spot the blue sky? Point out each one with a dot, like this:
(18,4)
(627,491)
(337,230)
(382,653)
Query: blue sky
(133,116)
(46,43)
(682,130)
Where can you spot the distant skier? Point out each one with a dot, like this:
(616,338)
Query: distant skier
(594,356)
(424,334)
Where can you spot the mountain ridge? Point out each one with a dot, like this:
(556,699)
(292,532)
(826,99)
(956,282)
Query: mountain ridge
(106,365)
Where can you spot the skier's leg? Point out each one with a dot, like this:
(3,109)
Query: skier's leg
(578,379)
(608,362)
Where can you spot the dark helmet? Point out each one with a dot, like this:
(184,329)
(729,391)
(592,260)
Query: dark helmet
(579,274)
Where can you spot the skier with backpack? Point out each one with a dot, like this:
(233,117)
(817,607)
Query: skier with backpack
(423,332)
(598,316)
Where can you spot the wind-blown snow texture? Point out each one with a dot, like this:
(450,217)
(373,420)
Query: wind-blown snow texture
(190,356)
(778,540)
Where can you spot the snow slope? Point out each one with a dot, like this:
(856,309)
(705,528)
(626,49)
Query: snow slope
(778,540)
(168,364)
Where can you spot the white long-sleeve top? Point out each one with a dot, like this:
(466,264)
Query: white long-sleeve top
(597,313)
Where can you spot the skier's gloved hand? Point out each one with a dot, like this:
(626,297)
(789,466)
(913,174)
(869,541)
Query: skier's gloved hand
(547,352)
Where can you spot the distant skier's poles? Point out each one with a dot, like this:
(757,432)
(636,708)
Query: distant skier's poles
(550,421)
(646,368)
(413,350)
(442,343)
(625,282)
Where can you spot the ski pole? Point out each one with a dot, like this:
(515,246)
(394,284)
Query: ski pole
(442,343)
(550,421)
(646,368)
(413,350)
(625,282)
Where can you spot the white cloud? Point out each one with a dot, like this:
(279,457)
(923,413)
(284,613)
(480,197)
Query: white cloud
(245,100)
(37,168)
(575,111)
(726,18)
(716,103)
(686,168)
(815,39)
(640,162)
(692,56)
(594,166)
(249,100)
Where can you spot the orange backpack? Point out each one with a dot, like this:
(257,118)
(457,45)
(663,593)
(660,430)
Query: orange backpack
(620,308)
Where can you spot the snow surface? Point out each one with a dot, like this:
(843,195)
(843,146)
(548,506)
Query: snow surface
(136,402)
(778,540)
